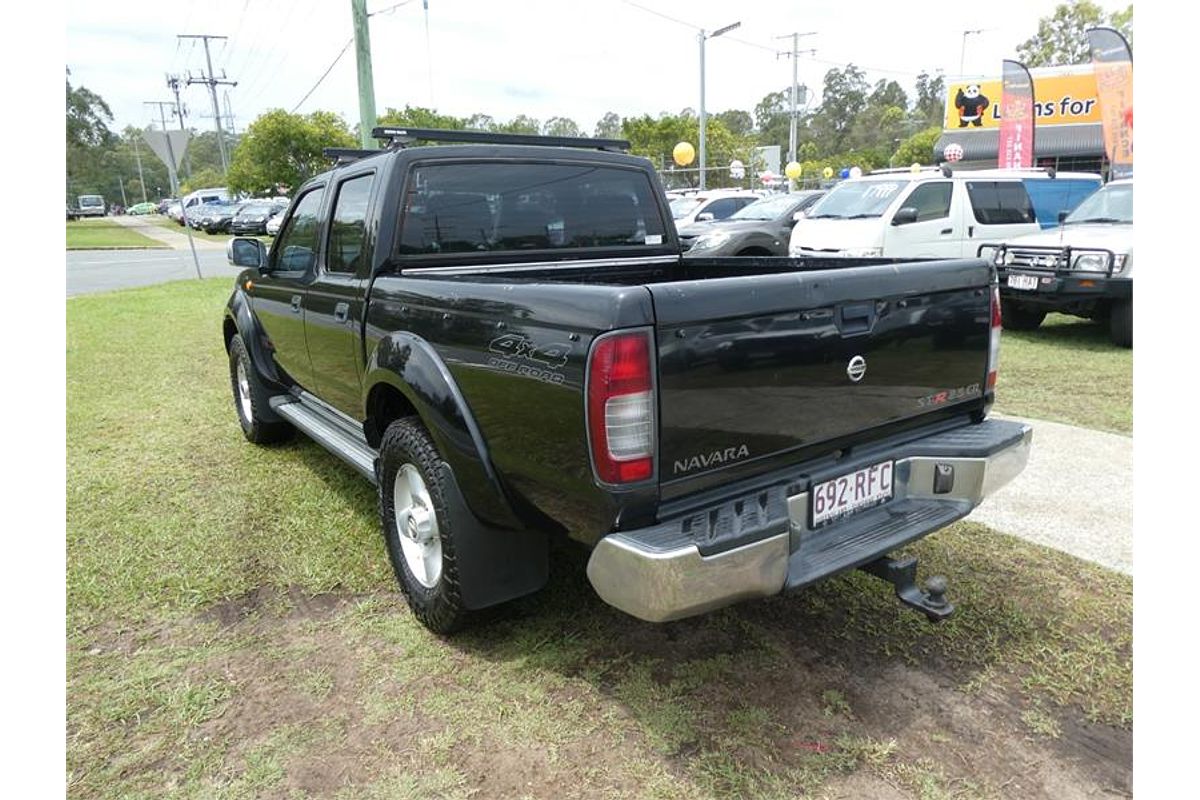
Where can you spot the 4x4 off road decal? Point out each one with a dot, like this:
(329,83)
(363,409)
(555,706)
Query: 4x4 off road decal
(519,355)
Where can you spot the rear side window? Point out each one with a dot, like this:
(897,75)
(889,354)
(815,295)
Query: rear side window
(1050,196)
(1000,202)
(348,228)
(724,207)
(480,207)
(297,246)
(931,200)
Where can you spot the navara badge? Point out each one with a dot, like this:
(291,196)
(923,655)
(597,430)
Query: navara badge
(856,369)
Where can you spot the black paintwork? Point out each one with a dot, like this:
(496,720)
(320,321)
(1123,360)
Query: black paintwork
(751,351)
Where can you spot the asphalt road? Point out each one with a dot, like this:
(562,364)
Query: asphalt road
(105,270)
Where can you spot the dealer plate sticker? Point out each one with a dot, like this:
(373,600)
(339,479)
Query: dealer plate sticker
(856,491)
(1022,281)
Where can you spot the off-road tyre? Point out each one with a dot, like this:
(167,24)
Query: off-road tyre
(250,410)
(1020,318)
(1120,323)
(439,607)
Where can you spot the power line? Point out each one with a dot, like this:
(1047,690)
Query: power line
(212,82)
(325,74)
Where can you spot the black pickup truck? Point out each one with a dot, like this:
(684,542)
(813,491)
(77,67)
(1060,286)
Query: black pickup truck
(501,334)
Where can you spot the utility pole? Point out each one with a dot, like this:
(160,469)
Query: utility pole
(703,36)
(795,55)
(162,115)
(137,154)
(366,80)
(174,84)
(962,58)
(212,82)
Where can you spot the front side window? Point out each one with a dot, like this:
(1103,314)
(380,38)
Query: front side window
(931,200)
(297,247)
(482,207)
(348,227)
(1000,202)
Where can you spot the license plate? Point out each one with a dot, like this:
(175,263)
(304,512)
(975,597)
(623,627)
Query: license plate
(1022,281)
(856,491)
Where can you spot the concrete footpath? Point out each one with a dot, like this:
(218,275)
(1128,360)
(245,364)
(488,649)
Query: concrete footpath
(1076,495)
(178,240)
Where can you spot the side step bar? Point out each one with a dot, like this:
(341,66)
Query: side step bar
(331,429)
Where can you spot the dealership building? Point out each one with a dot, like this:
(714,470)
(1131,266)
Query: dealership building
(1068,134)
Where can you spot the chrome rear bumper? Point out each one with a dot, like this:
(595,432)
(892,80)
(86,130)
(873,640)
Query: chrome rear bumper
(659,578)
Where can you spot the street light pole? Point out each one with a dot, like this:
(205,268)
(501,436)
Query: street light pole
(703,116)
(962,59)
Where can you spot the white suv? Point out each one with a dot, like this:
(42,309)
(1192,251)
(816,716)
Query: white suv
(935,213)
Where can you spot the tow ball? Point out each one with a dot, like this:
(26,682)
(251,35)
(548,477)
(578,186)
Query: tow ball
(902,575)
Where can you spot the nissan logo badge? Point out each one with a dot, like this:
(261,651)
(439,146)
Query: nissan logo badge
(856,368)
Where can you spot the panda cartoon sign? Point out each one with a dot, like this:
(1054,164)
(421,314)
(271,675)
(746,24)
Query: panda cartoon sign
(971,104)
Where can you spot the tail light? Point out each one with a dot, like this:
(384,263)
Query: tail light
(620,407)
(994,339)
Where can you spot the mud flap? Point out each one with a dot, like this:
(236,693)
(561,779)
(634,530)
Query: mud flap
(494,564)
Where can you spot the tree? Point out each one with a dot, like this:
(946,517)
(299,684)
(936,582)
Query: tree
(521,124)
(917,148)
(479,122)
(283,149)
(88,142)
(656,139)
(739,122)
(930,105)
(609,126)
(209,177)
(1062,37)
(421,117)
(561,126)
(843,98)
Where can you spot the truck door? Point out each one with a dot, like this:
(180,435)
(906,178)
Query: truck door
(333,316)
(280,291)
(933,233)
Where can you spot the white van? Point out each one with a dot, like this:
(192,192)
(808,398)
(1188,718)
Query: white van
(935,213)
(191,203)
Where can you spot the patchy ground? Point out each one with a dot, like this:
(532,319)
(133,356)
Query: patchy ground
(233,631)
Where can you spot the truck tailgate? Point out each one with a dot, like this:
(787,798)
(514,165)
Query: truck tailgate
(758,371)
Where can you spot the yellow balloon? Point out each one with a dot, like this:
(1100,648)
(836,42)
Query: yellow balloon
(793,170)
(828,173)
(916,167)
(683,154)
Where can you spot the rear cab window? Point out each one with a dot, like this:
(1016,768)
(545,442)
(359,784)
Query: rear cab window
(489,207)
(1000,202)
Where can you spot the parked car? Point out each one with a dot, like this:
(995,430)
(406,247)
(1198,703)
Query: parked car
(254,215)
(203,197)
(143,208)
(505,340)
(175,212)
(762,228)
(165,204)
(936,213)
(219,216)
(710,205)
(1084,268)
(72,214)
(272,226)
(91,205)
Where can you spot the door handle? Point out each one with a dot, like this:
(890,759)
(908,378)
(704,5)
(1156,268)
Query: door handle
(296,303)
(947,230)
(341,312)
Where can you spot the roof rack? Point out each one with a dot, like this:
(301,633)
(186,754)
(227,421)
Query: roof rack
(345,155)
(893,170)
(403,137)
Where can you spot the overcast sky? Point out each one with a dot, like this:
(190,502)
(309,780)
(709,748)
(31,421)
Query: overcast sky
(573,58)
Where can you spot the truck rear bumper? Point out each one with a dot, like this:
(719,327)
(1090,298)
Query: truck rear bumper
(670,571)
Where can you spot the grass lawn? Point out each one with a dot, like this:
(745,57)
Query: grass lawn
(1067,371)
(99,234)
(234,631)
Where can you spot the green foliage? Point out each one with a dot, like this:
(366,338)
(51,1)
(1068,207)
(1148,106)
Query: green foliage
(206,178)
(656,139)
(561,126)
(739,122)
(917,148)
(609,126)
(1062,37)
(930,104)
(88,143)
(420,117)
(521,124)
(282,150)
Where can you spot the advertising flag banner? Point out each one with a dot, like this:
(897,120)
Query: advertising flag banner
(1113,62)
(1017,120)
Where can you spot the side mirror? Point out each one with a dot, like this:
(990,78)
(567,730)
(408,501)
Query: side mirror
(799,215)
(243,251)
(707,216)
(904,216)
(1062,216)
